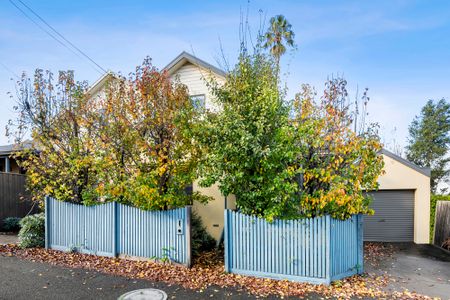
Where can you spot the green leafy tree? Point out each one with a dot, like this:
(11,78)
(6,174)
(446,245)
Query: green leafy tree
(278,36)
(429,140)
(247,143)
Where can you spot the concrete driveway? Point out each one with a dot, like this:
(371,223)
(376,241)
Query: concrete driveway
(424,269)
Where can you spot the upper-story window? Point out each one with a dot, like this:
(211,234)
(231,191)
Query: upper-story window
(198,101)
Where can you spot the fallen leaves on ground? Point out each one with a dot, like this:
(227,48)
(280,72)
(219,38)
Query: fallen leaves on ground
(374,253)
(208,271)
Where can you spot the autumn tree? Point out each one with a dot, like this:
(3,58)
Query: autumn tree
(146,154)
(429,140)
(337,160)
(53,112)
(131,143)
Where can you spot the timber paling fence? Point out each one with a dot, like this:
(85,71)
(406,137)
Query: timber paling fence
(114,229)
(442,222)
(316,250)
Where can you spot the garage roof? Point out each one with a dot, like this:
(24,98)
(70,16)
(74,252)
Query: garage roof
(424,171)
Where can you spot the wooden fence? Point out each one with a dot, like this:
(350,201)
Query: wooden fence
(317,250)
(442,222)
(14,199)
(114,229)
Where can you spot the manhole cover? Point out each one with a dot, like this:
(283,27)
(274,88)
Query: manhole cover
(144,294)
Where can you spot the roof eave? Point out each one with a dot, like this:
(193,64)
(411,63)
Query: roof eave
(424,171)
(97,85)
(184,57)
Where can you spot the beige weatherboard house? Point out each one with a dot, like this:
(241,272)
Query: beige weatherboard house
(402,204)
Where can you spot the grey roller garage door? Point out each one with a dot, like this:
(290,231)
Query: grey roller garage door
(393,220)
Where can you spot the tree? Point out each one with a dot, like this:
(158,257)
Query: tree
(336,163)
(130,144)
(53,112)
(146,156)
(429,140)
(247,142)
(278,34)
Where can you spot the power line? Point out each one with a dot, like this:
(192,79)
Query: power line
(43,29)
(57,33)
(60,35)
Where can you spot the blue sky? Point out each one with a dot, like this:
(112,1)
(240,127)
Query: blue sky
(400,50)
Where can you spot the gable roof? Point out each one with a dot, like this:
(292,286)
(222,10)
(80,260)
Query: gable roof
(96,86)
(11,148)
(424,171)
(171,67)
(185,57)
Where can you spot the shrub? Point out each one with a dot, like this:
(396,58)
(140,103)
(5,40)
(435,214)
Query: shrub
(11,224)
(32,232)
(433,201)
(201,239)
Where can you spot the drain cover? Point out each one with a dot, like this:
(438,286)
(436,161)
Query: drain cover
(144,294)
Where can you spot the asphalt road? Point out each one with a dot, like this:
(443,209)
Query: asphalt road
(421,268)
(22,279)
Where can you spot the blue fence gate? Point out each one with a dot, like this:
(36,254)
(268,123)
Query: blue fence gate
(316,250)
(114,229)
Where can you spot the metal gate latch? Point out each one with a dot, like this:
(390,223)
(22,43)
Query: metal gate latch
(180,226)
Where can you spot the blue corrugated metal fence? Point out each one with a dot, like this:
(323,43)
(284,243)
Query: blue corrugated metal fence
(316,250)
(114,229)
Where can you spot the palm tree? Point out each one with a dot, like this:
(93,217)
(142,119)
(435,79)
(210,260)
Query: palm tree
(278,33)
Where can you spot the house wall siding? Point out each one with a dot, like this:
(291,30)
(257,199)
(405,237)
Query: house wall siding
(196,78)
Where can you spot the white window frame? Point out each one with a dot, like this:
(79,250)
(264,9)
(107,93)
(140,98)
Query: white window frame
(202,103)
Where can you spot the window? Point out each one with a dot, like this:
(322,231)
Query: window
(198,101)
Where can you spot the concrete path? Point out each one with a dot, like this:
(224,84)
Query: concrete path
(424,269)
(8,239)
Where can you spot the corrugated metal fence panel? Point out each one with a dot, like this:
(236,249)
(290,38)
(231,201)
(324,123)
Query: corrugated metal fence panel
(153,233)
(14,199)
(66,225)
(99,233)
(294,250)
(111,229)
(346,247)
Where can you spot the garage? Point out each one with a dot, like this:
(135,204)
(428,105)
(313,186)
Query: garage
(393,220)
(401,204)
